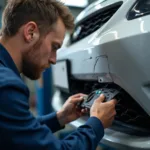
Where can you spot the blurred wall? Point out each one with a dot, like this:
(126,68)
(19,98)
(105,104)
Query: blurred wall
(75,11)
(2,5)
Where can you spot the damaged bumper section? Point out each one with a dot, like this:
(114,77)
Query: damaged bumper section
(86,64)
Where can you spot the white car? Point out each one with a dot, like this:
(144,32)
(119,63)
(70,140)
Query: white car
(110,47)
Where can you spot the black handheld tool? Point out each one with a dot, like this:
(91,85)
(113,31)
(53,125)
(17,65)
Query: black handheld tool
(89,100)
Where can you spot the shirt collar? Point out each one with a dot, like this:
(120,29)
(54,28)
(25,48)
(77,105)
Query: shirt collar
(7,60)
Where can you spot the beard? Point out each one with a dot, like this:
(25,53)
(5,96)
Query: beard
(31,62)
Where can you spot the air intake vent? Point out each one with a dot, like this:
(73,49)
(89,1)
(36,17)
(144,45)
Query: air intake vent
(93,22)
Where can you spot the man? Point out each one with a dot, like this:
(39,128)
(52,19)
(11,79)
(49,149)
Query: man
(32,31)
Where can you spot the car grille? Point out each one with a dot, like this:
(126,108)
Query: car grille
(93,22)
(129,114)
(128,111)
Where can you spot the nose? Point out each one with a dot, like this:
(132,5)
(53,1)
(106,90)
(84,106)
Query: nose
(52,60)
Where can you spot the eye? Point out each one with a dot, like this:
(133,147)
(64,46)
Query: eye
(55,47)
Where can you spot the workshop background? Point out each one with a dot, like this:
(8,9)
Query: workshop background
(41,91)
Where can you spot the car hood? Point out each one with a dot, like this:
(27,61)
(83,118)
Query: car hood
(94,7)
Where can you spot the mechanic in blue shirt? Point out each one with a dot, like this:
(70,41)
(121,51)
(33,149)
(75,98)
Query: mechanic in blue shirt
(32,31)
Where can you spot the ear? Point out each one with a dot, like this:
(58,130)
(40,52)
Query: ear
(31,33)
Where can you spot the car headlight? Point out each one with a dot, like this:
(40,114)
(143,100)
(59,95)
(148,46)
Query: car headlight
(140,8)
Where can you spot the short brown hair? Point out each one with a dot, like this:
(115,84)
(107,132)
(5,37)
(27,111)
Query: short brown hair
(44,13)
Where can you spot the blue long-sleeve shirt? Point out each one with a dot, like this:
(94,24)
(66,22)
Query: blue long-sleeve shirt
(20,130)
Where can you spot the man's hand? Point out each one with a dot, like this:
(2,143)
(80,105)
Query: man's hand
(104,111)
(70,110)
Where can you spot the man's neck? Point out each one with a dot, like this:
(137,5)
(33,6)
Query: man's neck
(14,49)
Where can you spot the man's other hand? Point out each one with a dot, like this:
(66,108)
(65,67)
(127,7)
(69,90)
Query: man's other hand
(104,111)
(70,110)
